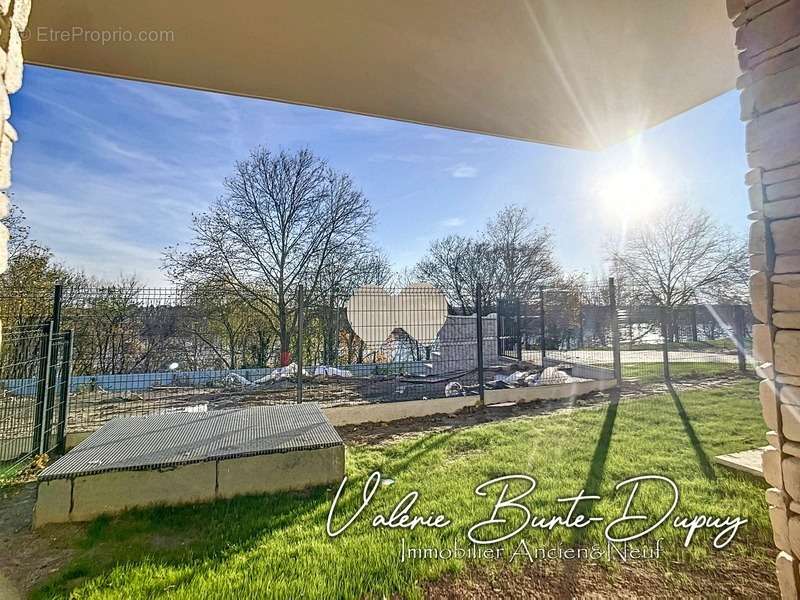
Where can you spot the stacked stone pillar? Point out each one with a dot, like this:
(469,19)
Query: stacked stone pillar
(768,39)
(13,21)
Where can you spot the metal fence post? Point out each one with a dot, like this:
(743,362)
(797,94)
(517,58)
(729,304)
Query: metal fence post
(300,326)
(630,326)
(665,345)
(479,335)
(499,329)
(63,401)
(542,328)
(42,391)
(615,343)
(519,329)
(738,324)
(58,292)
(55,321)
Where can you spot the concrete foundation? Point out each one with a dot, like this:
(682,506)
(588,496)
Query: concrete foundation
(188,458)
(88,497)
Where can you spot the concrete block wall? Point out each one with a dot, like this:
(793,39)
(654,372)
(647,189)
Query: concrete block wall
(458,344)
(768,40)
(13,21)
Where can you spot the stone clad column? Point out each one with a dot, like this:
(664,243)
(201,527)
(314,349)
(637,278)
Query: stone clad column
(768,39)
(13,21)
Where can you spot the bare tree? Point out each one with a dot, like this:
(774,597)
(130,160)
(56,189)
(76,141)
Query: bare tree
(283,220)
(523,253)
(456,264)
(678,256)
(511,257)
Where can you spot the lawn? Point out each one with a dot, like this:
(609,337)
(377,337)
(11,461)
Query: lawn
(276,546)
(724,343)
(653,372)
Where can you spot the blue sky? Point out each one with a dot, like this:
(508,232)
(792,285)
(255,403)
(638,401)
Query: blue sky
(109,172)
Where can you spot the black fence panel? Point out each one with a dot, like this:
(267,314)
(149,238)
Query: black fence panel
(137,351)
(34,382)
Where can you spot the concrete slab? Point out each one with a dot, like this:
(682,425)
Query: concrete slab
(747,461)
(53,502)
(116,491)
(279,472)
(185,458)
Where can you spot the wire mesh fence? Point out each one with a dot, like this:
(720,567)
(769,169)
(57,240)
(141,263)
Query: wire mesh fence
(137,351)
(34,371)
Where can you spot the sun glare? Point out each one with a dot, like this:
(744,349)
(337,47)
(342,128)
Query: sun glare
(629,195)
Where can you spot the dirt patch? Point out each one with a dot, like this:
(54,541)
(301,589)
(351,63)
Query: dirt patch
(29,557)
(377,433)
(739,578)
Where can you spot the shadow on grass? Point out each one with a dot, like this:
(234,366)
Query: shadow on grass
(697,446)
(598,465)
(591,487)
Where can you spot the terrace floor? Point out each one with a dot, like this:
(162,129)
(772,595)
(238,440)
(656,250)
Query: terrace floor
(277,547)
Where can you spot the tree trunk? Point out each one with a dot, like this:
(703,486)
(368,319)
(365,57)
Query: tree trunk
(283,330)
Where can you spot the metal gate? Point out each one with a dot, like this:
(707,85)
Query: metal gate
(35,366)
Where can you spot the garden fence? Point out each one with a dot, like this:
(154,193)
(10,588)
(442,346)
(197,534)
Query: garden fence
(35,371)
(136,351)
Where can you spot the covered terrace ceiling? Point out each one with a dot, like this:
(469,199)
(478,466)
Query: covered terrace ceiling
(576,73)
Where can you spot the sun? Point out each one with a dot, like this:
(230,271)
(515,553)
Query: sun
(629,195)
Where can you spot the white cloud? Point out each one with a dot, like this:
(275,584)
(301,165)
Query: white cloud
(462,171)
(453,222)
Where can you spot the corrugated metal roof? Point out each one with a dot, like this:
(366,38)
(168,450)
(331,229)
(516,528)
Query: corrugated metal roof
(158,441)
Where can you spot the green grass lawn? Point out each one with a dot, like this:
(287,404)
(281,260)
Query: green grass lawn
(276,546)
(653,372)
(9,471)
(710,345)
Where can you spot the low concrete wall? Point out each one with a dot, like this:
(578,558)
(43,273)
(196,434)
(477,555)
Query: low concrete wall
(382,412)
(87,497)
